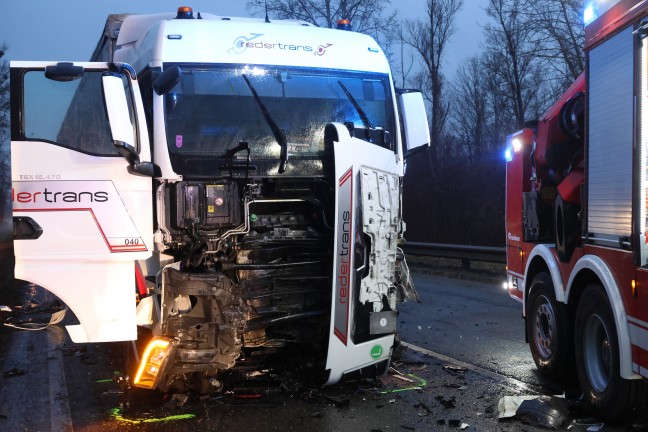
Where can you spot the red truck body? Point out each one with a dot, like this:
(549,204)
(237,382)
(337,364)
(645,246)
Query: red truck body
(576,217)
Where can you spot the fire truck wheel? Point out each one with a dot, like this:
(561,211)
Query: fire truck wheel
(611,397)
(547,330)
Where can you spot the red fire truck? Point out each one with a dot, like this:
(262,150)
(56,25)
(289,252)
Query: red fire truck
(576,218)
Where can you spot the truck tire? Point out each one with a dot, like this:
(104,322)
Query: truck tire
(610,397)
(547,330)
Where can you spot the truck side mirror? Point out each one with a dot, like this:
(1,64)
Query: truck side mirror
(415,123)
(167,80)
(121,128)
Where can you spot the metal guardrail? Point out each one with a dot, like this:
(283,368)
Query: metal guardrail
(465,253)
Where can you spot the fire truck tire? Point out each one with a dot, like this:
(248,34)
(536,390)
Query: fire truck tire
(614,399)
(547,332)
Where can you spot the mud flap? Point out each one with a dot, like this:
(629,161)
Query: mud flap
(366,229)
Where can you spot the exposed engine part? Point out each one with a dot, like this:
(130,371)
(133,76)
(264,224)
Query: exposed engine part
(249,269)
(206,206)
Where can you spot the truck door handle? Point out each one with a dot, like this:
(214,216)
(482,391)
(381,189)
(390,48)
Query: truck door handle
(26,228)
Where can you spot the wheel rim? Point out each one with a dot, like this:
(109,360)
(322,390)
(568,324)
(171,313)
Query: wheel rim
(544,328)
(596,353)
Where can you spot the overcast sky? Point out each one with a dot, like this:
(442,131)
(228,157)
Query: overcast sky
(68,30)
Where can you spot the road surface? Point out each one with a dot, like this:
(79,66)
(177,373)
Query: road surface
(463,350)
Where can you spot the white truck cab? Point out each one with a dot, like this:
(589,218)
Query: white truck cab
(252,194)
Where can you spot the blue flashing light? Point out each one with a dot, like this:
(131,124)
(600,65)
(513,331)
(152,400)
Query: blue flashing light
(508,155)
(590,13)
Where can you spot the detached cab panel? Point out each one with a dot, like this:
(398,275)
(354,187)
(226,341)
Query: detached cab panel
(367,226)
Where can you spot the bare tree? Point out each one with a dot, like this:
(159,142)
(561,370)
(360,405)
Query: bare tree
(5,157)
(471,93)
(429,36)
(560,36)
(366,16)
(513,60)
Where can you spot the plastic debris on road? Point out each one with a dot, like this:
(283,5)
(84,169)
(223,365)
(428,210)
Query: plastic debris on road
(14,373)
(550,412)
(508,405)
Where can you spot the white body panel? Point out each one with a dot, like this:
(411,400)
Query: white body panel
(96,219)
(351,157)
(245,41)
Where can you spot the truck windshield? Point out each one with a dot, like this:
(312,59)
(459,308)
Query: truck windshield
(213,109)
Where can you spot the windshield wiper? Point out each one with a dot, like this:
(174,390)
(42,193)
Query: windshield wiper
(361,113)
(279,135)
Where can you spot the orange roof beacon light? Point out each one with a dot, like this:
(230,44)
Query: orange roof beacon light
(344,24)
(185,12)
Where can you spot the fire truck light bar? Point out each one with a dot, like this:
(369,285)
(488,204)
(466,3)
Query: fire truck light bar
(595,8)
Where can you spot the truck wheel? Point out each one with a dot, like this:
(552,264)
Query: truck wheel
(611,397)
(547,331)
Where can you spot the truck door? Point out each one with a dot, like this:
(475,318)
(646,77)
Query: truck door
(81,193)
(367,225)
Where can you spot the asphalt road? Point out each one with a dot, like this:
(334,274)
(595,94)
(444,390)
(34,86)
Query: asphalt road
(471,321)
(463,350)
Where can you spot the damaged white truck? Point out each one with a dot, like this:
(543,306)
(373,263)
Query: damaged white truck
(224,190)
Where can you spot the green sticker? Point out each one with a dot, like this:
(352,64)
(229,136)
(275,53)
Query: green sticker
(376,351)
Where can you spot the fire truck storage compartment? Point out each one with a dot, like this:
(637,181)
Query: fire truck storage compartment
(610,135)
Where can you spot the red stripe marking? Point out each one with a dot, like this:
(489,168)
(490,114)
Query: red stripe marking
(340,336)
(346,176)
(115,248)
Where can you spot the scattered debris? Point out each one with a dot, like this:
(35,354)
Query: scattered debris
(421,383)
(508,405)
(177,400)
(454,369)
(117,415)
(14,373)
(545,411)
(56,318)
(447,403)
(247,395)
(585,425)
(397,374)
(75,350)
(424,410)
